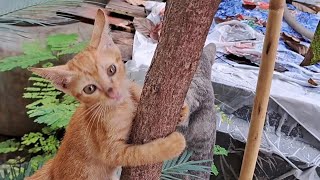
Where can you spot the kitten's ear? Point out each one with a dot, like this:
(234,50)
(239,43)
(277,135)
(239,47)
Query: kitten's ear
(60,76)
(100,36)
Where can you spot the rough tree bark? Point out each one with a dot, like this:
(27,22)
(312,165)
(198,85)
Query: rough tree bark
(186,25)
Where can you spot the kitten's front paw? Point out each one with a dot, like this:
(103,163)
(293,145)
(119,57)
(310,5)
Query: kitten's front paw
(184,114)
(176,144)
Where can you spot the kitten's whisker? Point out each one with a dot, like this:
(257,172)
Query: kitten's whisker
(88,110)
(102,117)
(94,117)
(98,120)
(91,118)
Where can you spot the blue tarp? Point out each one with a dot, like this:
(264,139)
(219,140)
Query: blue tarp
(234,7)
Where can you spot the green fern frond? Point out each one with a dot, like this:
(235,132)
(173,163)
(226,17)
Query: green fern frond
(65,44)
(39,142)
(31,56)
(75,49)
(52,111)
(181,166)
(41,89)
(60,42)
(35,53)
(48,108)
(8,146)
(54,115)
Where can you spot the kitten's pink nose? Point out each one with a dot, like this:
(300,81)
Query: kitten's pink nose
(113,94)
(110,90)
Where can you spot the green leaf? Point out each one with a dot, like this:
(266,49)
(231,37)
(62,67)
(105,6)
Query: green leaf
(33,48)
(47,130)
(218,150)
(214,170)
(49,108)
(24,61)
(38,79)
(31,138)
(8,146)
(33,54)
(75,49)
(61,41)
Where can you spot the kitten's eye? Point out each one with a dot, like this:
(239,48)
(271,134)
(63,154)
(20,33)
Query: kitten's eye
(111,70)
(89,89)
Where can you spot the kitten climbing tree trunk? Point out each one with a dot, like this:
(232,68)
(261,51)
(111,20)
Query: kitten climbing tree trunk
(186,25)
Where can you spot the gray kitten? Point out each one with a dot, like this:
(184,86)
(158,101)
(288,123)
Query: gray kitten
(200,128)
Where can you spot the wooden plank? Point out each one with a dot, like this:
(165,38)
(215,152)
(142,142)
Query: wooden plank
(124,41)
(121,37)
(88,11)
(85,10)
(123,24)
(126,51)
(124,8)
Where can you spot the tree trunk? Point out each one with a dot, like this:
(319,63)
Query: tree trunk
(313,54)
(186,25)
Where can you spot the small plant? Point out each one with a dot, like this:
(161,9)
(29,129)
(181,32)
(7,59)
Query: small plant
(224,117)
(41,146)
(181,166)
(13,172)
(45,142)
(218,151)
(9,146)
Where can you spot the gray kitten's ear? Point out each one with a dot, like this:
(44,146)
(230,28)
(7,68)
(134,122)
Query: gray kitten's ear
(210,52)
(100,36)
(60,76)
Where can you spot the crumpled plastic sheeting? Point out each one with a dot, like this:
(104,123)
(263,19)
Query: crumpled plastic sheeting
(282,134)
(234,7)
(294,134)
(226,37)
(309,21)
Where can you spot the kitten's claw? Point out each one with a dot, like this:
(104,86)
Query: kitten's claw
(184,114)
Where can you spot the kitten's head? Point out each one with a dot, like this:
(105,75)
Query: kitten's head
(96,75)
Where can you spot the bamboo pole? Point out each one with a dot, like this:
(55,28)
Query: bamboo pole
(261,100)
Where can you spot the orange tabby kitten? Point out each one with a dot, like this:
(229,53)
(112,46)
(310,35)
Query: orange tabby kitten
(94,145)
